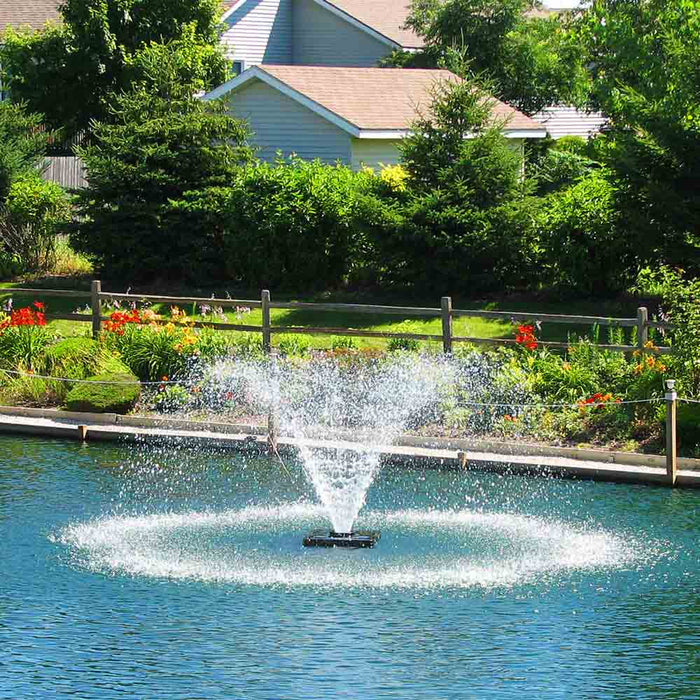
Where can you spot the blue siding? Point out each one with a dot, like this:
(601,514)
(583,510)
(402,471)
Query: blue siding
(281,124)
(320,38)
(260,31)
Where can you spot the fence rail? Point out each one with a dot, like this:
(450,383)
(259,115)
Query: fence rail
(445,312)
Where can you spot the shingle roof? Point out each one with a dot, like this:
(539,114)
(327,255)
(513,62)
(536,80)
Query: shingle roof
(27,13)
(378,98)
(387,17)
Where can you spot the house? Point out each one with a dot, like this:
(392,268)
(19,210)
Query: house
(563,120)
(316,32)
(354,115)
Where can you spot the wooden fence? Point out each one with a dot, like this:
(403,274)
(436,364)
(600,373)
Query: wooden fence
(445,312)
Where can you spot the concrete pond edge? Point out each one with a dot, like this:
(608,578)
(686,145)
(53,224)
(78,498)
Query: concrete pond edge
(489,455)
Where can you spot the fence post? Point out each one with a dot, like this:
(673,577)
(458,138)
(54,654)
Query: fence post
(96,305)
(642,327)
(272,433)
(266,334)
(671,441)
(446,307)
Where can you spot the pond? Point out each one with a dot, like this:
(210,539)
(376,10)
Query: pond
(175,572)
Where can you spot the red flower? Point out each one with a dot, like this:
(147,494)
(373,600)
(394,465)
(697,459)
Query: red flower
(25,317)
(526,336)
(39,306)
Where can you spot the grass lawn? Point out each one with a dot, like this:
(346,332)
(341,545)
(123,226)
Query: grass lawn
(470,326)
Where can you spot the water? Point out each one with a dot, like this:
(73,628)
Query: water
(372,401)
(180,574)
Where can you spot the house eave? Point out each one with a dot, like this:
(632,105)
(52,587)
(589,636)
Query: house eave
(394,134)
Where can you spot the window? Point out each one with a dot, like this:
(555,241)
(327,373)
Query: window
(238,68)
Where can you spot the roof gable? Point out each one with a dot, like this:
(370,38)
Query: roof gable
(367,102)
(386,17)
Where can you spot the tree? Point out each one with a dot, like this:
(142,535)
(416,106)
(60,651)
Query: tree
(32,211)
(529,61)
(22,144)
(67,72)
(458,146)
(462,223)
(158,143)
(646,79)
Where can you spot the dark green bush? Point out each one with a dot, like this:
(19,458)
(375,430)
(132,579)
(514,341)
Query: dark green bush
(437,245)
(688,427)
(585,245)
(293,224)
(140,163)
(105,398)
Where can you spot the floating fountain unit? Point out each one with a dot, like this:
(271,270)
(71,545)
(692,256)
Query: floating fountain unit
(362,539)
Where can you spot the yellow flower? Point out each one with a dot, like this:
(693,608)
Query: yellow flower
(395,176)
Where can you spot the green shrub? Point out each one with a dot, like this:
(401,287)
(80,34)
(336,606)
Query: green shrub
(571,144)
(345,342)
(558,169)
(680,294)
(293,224)
(78,358)
(586,247)
(105,398)
(246,344)
(293,344)
(22,143)
(23,346)
(171,398)
(688,427)
(34,213)
(159,143)
(405,344)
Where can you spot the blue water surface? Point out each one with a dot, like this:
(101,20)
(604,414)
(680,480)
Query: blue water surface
(171,572)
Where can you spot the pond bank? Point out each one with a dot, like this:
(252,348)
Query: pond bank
(461,454)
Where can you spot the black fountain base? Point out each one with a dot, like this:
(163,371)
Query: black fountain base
(357,540)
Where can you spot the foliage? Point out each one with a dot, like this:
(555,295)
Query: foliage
(22,144)
(35,212)
(646,79)
(159,143)
(68,72)
(293,224)
(23,337)
(105,393)
(395,177)
(586,245)
(558,168)
(680,297)
(32,211)
(343,342)
(529,61)
(405,344)
(78,358)
(688,426)
(171,398)
(577,396)
(293,344)
(465,221)
(153,351)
